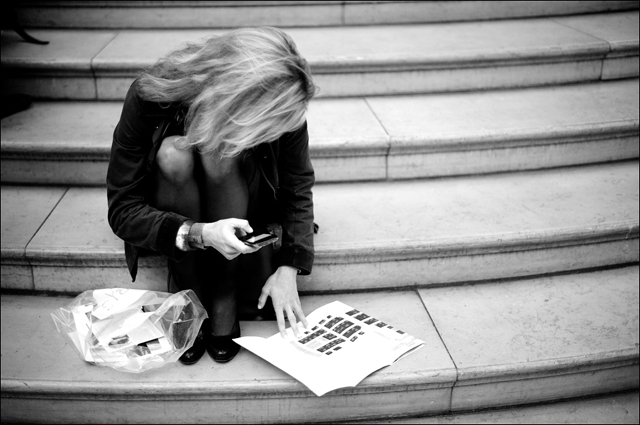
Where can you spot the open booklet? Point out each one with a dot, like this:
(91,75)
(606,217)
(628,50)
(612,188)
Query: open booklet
(340,348)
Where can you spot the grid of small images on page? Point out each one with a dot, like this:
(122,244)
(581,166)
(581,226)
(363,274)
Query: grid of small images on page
(331,333)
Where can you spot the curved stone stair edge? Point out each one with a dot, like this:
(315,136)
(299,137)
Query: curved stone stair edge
(368,146)
(369,158)
(596,60)
(398,264)
(380,382)
(317,13)
(478,388)
(400,79)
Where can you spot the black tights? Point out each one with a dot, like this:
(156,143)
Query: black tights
(207,190)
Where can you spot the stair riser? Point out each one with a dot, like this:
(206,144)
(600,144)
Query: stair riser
(269,407)
(614,68)
(328,277)
(457,77)
(38,406)
(148,15)
(252,408)
(340,168)
(439,164)
(543,389)
(448,270)
(53,87)
(83,173)
(94,173)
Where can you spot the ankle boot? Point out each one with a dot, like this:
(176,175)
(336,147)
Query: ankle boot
(193,354)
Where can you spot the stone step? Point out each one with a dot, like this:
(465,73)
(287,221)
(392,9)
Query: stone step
(350,60)
(226,14)
(373,235)
(371,138)
(619,408)
(487,345)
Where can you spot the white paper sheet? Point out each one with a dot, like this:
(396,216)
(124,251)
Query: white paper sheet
(341,347)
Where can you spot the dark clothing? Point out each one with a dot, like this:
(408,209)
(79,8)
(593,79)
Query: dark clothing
(279,174)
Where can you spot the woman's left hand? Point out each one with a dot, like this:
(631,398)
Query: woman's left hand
(283,290)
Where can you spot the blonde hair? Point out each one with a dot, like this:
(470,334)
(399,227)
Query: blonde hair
(242,88)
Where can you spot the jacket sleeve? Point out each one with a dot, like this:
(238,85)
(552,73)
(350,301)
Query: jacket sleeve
(296,179)
(129,184)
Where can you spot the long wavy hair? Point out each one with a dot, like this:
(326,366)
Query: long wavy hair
(242,88)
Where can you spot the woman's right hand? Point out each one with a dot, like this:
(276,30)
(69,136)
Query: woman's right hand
(221,235)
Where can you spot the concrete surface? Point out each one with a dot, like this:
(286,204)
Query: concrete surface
(347,61)
(248,389)
(611,409)
(461,327)
(394,234)
(189,14)
(525,324)
(371,138)
(465,133)
(24,210)
(620,31)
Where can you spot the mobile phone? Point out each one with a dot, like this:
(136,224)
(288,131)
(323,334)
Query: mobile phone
(260,237)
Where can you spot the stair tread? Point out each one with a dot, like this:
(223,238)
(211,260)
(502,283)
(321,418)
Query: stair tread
(351,60)
(328,47)
(530,323)
(358,217)
(556,326)
(480,117)
(371,124)
(29,315)
(25,210)
(470,209)
(371,138)
(86,128)
(366,222)
(617,29)
(224,14)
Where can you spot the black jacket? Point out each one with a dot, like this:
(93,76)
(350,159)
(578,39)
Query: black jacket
(280,186)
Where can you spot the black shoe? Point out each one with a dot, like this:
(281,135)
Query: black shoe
(221,348)
(193,354)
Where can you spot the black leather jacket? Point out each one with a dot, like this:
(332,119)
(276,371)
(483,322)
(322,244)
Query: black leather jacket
(279,187)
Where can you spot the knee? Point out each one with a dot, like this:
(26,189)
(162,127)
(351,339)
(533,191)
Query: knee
(176,165)
(219,171)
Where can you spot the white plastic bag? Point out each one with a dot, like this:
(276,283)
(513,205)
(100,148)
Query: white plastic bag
(131,330)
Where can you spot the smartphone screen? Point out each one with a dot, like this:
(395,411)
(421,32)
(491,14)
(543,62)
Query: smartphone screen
(260,238)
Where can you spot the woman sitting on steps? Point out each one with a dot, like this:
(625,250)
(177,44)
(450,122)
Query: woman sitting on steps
(212,143)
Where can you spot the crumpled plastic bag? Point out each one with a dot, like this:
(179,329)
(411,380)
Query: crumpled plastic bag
(131,330)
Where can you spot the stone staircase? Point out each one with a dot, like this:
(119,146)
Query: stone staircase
(477,167)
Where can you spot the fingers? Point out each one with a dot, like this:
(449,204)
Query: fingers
(280,320)
(300,314)
(244,228)
(243,225)
(263,299)
(229,256)
(281,287)
(232,246)
(280,317)
(292,317)
(292,321)
(232,251)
